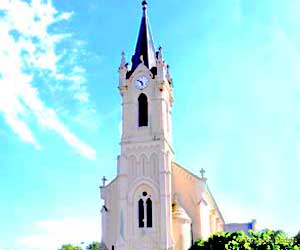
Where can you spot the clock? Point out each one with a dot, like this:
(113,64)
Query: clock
(141,82)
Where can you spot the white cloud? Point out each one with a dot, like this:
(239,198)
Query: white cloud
(66,16)
(52,234)
(27,47)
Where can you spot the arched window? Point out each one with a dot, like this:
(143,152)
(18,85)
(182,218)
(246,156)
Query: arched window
(145,211)
(149,212)
(141,213)
(143,110)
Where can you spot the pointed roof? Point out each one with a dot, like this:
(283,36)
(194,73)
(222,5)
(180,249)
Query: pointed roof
(144,51)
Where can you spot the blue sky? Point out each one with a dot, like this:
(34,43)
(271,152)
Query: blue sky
(236,70)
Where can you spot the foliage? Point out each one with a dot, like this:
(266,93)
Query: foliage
(70,247)
(93,246)
(297,239)
(268,240)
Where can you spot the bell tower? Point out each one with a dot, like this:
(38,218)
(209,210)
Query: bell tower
(138,214)
(146,91)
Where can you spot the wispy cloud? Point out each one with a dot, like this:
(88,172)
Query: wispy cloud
(27,51)
(52,234)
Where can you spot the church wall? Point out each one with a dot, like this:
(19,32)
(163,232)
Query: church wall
(189,196)
(205,228)
(140,238)
(194,198)
(143,165)
(110,194)
(216,220)
(181,234)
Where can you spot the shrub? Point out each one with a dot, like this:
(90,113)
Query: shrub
(267,240)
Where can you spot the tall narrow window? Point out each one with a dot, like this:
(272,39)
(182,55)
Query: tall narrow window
(145,211)
(143,110)
(149,212)
(141,213)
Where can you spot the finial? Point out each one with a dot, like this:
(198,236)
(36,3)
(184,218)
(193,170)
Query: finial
(104,181)
(123,60)
(144,3)
(168,75)
(202,172)
(159,53)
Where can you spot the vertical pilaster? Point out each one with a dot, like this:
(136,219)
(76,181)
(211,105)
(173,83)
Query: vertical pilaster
(166,203)
(123,206)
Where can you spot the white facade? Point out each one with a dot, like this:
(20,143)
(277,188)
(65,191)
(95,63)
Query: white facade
(153,203)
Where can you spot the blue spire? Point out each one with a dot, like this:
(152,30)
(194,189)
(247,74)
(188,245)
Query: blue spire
(144,51)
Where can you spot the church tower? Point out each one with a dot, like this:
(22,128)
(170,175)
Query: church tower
(146,151)
(137,212)
(144,165)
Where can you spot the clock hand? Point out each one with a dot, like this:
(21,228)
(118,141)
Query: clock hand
(141,82)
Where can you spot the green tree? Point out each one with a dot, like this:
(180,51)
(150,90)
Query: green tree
(268,240)
(70,247)
(93,246)
(297,239)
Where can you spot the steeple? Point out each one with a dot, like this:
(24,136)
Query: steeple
(144,51)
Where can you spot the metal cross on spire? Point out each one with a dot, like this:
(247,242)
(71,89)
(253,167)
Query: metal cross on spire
(202,172)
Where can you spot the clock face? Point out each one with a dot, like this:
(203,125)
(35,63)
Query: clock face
(141,82)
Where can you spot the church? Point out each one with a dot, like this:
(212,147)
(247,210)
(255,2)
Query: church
(153,203)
